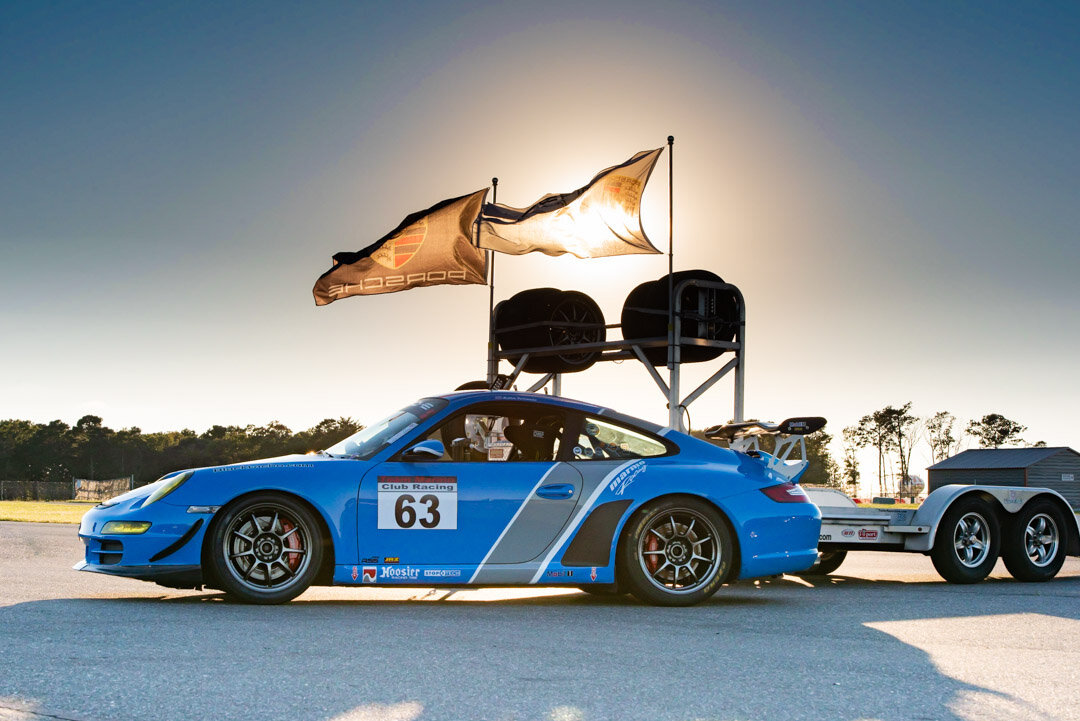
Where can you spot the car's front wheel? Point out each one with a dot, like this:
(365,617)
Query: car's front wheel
(675,552)
(266,549)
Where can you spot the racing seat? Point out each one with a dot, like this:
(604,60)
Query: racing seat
(534,440)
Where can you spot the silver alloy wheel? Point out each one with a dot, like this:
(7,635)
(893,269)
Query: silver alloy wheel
(679,551)
(971,539)
(1041,540)
(267,548)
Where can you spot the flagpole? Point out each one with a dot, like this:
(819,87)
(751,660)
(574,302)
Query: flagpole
(493,364)
(673,374)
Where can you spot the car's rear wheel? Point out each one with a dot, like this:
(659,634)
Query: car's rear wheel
(675,552)
(266,549)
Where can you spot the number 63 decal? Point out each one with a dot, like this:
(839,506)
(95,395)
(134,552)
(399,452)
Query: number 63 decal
(427,503)
(406,507)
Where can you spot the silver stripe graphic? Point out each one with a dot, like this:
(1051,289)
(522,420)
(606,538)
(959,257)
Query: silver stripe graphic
(507,528)
(578,518)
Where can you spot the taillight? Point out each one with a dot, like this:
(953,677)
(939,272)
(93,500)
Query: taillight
(787,493)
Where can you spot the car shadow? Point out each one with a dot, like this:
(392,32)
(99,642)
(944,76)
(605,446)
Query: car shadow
(767,649)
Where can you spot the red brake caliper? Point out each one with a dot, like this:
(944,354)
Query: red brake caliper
(652,562)
(291,542)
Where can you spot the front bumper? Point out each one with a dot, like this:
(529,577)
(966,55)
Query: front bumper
(169,552)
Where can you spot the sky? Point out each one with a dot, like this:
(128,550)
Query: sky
(893,187)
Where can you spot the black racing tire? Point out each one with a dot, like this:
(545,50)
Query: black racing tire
(645,315)
(681,533)
(557,315)
(826,563)
(967,541)
(473,386)
(574,307)
(266,548)
(1035,541)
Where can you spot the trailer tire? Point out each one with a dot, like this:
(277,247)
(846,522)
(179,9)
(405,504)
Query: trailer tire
(1034,544)
(967,542)
(826,563)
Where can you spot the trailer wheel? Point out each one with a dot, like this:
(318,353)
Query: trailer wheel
(826,563)
(967,541)
(1034,545)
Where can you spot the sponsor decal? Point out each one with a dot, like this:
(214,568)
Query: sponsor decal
(848,533)
(355,573)
(592,574)
(626,477)
(391,559)
(399,573)
(262,466)
(560,574)
(417,502)
(370,573)
(369,559)
(825,537)
(442,573)
(866,534)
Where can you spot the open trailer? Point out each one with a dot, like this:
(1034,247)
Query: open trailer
(963,528)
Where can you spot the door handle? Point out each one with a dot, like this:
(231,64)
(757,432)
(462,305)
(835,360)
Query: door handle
(556,491)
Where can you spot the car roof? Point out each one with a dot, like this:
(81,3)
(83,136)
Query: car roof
(463,397)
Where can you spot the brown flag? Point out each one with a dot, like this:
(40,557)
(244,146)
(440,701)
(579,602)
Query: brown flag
(430,247)
(600,219)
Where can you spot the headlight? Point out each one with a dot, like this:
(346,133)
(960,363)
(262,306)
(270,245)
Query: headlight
(125,527)
(167,486)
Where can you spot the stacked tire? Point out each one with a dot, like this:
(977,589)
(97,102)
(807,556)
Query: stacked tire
(545,317)
(706,313)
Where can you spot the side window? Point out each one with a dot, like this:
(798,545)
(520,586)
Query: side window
(501,435)
(600,440)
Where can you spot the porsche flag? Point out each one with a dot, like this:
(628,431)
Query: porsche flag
(430,247)
(603,218)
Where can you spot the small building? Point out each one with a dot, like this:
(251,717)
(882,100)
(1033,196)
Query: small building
(1056,468)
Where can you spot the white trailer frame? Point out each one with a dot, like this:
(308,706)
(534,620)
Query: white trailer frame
(915,529)
(929,529)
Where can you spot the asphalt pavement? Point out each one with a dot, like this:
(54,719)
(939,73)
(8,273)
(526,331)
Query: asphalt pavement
(883,638)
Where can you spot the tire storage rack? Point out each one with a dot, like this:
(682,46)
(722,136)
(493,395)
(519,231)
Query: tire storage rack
(551,332)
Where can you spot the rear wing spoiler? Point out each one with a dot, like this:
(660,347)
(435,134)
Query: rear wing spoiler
(788,427)
(744,436)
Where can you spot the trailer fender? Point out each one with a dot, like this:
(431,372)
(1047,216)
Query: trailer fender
(1010,498)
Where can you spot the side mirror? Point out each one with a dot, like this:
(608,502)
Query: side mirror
(424,451)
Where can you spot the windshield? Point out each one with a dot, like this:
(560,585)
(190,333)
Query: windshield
(368,441)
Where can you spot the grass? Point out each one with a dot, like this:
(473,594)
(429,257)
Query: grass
(44,511)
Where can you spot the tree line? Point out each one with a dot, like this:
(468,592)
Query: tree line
(894,432)
(58,452)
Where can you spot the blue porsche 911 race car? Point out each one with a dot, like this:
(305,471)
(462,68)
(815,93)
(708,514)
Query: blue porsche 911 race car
(483,488)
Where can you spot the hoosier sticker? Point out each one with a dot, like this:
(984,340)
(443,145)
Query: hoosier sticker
(418,502)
